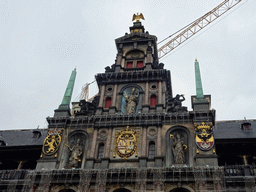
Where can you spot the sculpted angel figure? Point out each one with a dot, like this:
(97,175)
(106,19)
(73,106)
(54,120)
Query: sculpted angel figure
(131,101)
(178,149)
(76,152)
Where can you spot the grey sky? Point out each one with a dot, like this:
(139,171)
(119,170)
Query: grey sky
(41,41)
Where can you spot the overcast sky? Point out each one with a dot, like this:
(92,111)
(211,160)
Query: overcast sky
(41,41)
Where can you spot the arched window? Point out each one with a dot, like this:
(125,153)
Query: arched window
(108,102)
(101,151)
(151,149)
(153,100)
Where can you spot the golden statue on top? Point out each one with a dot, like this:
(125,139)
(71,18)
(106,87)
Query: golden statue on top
(138,17)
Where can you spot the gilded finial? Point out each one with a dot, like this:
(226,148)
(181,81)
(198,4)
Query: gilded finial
(138,17)
(75,68)
(196,59)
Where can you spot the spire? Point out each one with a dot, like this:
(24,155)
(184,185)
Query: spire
(68,93)
(199,87)
(64,109)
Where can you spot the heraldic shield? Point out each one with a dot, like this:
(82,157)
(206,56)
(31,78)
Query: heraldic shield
(204,137)
(52,142)
(126,143)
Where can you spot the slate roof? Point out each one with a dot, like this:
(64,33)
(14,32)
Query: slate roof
(22,137)
(233,129)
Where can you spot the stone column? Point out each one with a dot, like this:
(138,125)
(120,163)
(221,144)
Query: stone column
(146,94)
(159,106)
(144,141)
(113,104)
(105,160)
(145,107)
(90,160)
(159,141)
(102,96)
(158,157)
(143,157)
(108,143)
(112,109)
(94,139)
(159,92)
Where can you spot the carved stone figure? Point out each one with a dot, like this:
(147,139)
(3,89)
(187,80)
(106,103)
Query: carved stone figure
(88,108)
(178,149)
(131,101)
(175,104)
(76,152)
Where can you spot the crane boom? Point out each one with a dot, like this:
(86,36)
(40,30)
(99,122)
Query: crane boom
(197,26)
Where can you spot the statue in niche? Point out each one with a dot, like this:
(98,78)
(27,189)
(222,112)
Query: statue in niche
(131,101)
(76,152)
(178,149)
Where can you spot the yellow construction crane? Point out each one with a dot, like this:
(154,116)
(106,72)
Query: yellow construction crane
(195,27)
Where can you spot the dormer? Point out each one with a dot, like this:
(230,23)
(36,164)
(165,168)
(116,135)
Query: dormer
(36,134)
(2,142)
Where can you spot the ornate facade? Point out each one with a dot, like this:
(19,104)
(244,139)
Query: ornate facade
(134,136)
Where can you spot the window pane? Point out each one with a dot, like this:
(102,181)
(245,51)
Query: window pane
(153,101)
(101,151)
(151,150)
(108,102)
(129,65)
(139,64)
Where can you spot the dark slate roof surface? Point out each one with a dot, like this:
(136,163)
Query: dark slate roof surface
(22,137)
(233,130)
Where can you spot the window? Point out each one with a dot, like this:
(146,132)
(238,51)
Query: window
(2,143)
(101,151)
(246,127)
(153,100)
(108,102)
(129,65)
(36,134)
(151,150)
(139,64)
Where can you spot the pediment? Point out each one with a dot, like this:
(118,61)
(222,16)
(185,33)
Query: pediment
(136,37)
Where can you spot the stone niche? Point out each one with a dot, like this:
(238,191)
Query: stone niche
(178,146)
(76,150)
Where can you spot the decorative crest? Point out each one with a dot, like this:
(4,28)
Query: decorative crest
(52,141)
(204,137)
(138,17)
(126,143)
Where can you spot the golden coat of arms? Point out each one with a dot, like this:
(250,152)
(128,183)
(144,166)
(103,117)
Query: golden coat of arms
(52,142)
(126,143)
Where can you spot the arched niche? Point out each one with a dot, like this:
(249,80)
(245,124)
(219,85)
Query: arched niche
(122,190)
(126,91)
(184,133)
(134,53)
(80,138)
(183,188)
(67,190)
(180,190)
